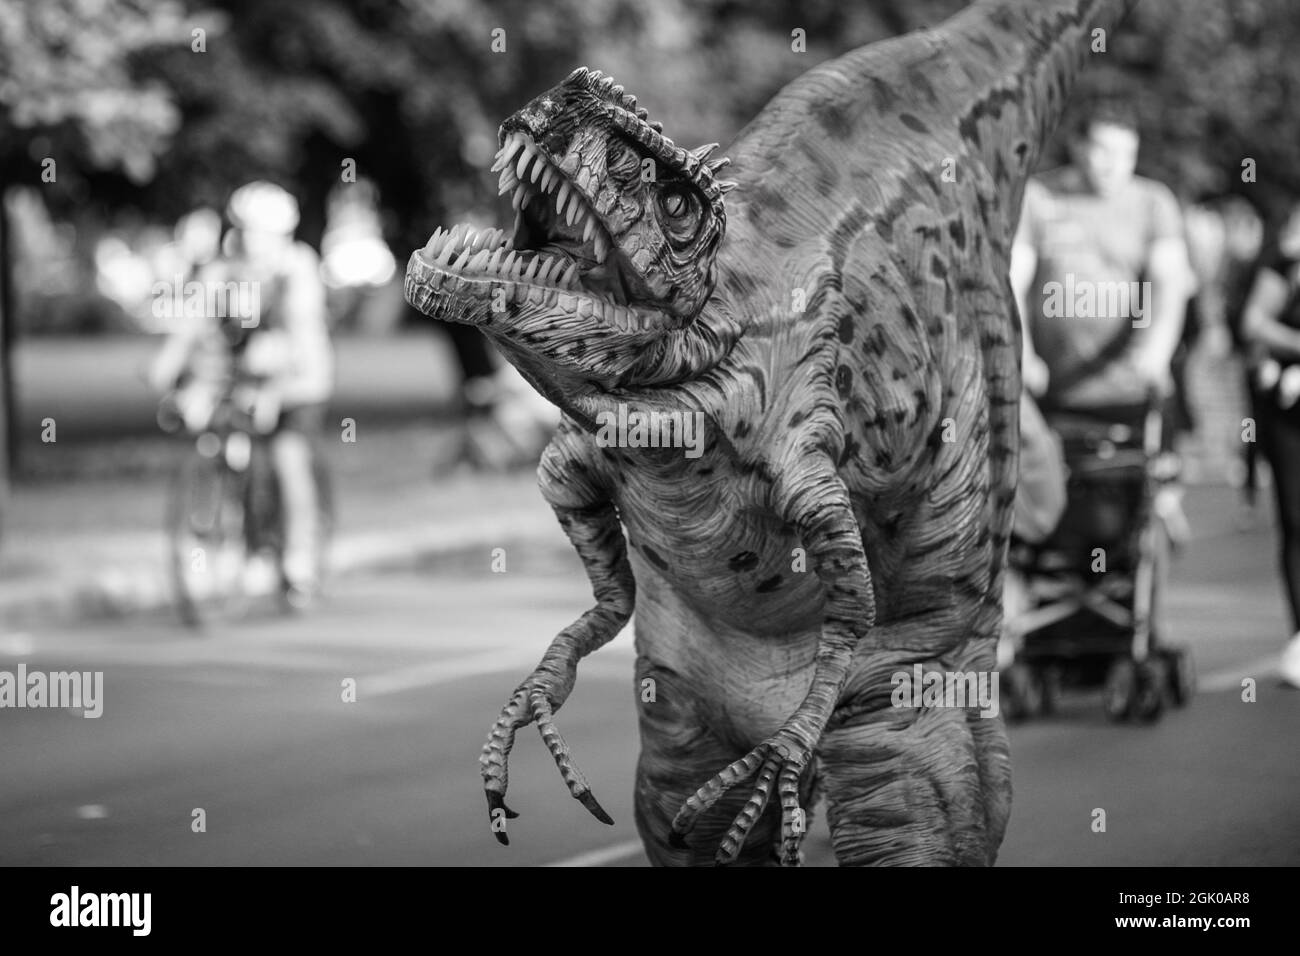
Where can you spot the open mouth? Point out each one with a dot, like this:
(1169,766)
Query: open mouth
(559,255)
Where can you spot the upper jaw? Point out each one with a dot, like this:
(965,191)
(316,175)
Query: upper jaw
(537,272)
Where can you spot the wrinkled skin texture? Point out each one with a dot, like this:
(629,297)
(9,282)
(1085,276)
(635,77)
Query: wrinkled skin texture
(844,325)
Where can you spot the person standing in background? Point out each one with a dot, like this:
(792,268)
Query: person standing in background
(1270,326)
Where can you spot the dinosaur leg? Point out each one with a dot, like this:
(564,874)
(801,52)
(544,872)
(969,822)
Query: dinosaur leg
(918,786)
(678,749)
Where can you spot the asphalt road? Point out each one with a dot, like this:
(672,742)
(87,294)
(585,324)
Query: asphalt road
(248,724)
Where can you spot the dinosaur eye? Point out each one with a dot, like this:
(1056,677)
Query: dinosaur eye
(679,210)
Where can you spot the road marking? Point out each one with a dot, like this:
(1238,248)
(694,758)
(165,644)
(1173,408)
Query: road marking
(440,672)
(475,665)
(1230,678)
(608,854)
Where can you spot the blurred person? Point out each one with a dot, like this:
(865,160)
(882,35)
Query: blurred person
(1243,230)
(1271,328)
(1089,224)
(285,345)
(1100,270)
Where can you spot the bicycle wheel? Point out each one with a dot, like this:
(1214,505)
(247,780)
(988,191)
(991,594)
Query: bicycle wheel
(206,541)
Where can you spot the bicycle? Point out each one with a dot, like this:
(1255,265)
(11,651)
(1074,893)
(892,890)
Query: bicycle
(224,514)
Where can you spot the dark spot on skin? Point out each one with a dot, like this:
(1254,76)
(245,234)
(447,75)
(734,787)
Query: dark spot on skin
(912,123)
(1021,150)
(958,233)
(843,380)
(938,268)
(897,373)
(704,472)
(885,95)
(745,561)
(771,584)
(741,429)
(927,232)
(851,449)
(797,418)
(846,328)
(653,557)
(832,118)
(918,81)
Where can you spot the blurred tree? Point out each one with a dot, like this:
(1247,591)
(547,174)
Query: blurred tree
(69,104)
(138,113)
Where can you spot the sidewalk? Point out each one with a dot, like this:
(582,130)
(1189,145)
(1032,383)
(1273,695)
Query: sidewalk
(93,548)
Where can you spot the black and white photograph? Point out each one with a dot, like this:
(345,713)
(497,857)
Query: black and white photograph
(650,433)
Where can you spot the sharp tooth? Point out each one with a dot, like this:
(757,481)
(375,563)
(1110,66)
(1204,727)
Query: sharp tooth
(539,167)
(506,182)
(531,271)
(576,209)
(476,263)
(434,240)
(495,262)
(444,257)
(588,229)
(571,276)
(548,177)
(514,265)
(507,152)
(602,247)
(525,158)
(562,197)
(520,196)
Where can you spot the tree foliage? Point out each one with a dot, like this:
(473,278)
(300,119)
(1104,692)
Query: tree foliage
(412,91)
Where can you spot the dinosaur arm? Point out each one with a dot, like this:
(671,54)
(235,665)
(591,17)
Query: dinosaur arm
(815,501)
(591,522)
(571,482)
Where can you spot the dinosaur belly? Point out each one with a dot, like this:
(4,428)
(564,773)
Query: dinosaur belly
(747,675)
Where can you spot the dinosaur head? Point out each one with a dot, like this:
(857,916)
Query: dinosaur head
(613,246)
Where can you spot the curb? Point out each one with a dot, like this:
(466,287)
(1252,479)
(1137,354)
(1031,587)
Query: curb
(120,593)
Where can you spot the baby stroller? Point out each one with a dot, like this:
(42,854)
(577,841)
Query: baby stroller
(1082,604)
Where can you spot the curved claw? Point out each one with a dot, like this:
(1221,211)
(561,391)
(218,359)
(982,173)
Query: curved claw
(497,802)
(739,830)
(702,799)
(791,838)
(777,761)
(555,743)
(588,800)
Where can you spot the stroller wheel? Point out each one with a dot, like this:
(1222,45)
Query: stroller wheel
(1023,696)
(1152,681)
(1181,671)
(1120,692)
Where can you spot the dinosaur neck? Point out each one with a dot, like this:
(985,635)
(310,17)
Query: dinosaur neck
(1021,58)
(986,86)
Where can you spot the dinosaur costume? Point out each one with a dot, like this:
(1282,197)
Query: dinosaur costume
(844,325)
